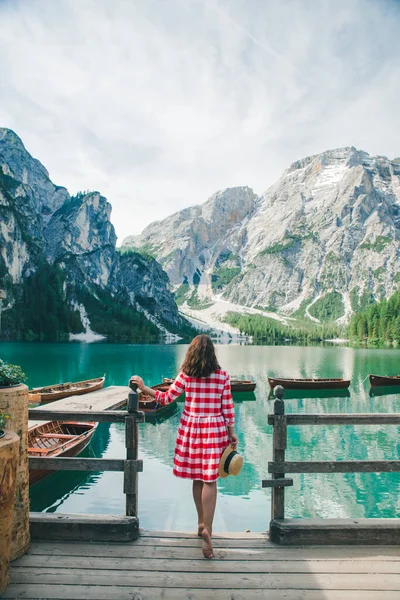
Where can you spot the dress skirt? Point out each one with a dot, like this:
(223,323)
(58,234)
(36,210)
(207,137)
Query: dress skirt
(200,443)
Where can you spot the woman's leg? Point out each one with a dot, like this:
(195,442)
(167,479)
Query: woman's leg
(209,500)
(197,492)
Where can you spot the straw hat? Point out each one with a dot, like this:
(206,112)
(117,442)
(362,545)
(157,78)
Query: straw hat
(231,462)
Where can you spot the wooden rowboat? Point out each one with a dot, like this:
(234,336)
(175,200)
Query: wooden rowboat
(57,438)
(376,380)
(164,386)
(309,384)
(63,390)
(237,385)
(242,385)
(153,411)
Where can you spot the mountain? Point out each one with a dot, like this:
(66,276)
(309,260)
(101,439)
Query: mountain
(61,250)
(321,242)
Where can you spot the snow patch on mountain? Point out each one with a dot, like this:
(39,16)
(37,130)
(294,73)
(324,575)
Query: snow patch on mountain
(89,335)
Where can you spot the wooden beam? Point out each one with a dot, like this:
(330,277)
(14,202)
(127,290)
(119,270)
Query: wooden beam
(188,565)
(340,419)
(139,591)
(274,483)
(85,416)
(342,466)
(335,531)
(85,528)
(83,464)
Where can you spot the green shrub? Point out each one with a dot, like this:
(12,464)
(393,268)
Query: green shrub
(195,302)
(180,293)
(222,276)
(277,248)
(11,374)
(378,245)
(379,272)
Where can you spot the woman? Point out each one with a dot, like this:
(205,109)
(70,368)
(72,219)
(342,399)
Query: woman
(205,429)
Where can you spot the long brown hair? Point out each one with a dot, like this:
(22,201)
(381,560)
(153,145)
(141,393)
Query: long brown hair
(200,359)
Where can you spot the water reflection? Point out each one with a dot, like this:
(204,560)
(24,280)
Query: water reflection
(165,501)
(388,390)
(316,394)
(51,493)
(161,414)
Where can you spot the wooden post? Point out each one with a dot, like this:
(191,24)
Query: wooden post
(131,445)
(9,446)
(14,401)
(278,453)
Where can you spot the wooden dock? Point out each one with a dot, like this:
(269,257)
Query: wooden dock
(170,566)
(109,398)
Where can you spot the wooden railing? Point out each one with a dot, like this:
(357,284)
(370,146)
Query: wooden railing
(130,466)
(279,466)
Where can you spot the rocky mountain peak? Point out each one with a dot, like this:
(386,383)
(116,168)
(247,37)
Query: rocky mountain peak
(32,177)
(319,242)
(184,242)
(81,227)
(42,224)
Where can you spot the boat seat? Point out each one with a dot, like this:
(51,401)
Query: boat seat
(62,436)
(41,450)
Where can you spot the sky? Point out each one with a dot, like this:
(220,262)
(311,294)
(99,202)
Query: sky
(158,104)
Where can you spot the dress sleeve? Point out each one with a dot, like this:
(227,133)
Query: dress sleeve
(175,390)
(228,409)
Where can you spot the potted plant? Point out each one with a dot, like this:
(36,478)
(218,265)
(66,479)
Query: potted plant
(11,375)
(3,422)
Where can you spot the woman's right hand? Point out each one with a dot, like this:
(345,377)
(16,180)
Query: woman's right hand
(138,380)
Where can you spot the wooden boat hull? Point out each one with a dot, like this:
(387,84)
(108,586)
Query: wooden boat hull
(64,390)
(164,386)
(154,412)
(237,385)
(377,380)
(309,384)
(48,440)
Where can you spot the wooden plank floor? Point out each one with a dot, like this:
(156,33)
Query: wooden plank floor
(170,566)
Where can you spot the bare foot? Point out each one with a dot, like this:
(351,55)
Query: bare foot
(207,547)
(200,529)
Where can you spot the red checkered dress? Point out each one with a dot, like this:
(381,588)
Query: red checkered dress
(202,433)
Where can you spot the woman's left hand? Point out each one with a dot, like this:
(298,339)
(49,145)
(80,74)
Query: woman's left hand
(138,380)
(233,440)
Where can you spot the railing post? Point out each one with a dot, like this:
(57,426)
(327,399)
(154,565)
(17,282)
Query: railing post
(131,445)
(278,453)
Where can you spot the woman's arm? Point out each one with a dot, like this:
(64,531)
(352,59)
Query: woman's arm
(143,388)
(174,391)
(228,412)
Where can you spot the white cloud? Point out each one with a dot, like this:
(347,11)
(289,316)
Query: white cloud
(159,103)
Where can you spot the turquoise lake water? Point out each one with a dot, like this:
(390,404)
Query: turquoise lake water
(165,501)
